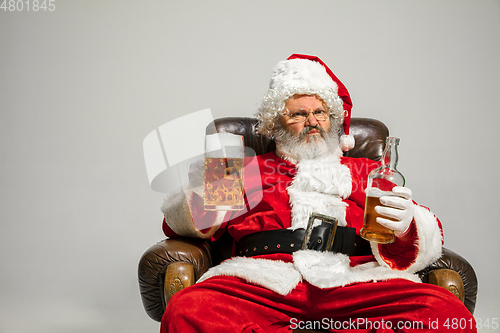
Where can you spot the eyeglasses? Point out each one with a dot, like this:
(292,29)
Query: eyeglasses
(301,116)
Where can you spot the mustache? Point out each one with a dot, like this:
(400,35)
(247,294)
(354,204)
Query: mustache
(308,128)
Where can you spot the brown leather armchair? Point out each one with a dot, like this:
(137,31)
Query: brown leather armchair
(176,263)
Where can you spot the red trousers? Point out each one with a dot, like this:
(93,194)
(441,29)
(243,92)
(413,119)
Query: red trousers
(229,304)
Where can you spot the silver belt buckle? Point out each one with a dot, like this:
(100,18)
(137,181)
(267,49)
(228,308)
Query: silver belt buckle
(310,226)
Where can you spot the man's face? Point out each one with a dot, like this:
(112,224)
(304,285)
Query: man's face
(311,127)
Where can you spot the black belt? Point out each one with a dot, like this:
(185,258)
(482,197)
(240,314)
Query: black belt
(288,241)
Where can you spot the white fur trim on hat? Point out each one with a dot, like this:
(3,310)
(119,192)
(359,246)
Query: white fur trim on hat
(297,77)
(301,76)
(304,77)
(347,142)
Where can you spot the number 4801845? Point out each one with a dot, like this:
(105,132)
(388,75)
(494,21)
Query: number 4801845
(28,5)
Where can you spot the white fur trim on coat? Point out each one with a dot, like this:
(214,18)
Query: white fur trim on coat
(319,186)
(276,275)
(321,269)
(429,241)
(329,270)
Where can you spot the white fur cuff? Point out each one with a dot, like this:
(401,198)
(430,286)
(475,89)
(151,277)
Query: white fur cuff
(429,241)
(177,212)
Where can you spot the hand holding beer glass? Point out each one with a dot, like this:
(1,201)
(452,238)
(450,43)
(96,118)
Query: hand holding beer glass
(389,208)
(223,172)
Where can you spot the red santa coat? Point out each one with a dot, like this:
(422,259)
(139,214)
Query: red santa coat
(301,290)
(281,195)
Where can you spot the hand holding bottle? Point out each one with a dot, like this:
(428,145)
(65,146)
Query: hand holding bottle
(397,210)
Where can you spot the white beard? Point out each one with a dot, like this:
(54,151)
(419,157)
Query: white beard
(321,181)
(295,148)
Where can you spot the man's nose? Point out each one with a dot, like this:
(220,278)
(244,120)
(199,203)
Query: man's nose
(311,120)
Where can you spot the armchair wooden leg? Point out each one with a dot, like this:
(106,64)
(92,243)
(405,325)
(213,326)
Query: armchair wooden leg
(178,276)
(449,280)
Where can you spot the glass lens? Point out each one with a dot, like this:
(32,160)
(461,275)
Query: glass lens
(301,116)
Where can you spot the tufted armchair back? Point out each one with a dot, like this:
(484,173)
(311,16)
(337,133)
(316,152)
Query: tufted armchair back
(369,135)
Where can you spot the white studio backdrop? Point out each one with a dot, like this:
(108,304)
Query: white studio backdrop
(82,86)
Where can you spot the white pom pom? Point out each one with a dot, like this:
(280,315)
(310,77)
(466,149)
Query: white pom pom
(346,142)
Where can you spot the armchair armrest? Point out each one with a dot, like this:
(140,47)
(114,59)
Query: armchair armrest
(169,266)
(439,273)
(180,253)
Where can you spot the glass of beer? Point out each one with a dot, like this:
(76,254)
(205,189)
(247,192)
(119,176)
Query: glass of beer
(224,172)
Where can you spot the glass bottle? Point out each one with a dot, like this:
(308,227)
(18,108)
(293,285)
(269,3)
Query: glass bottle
(380,183)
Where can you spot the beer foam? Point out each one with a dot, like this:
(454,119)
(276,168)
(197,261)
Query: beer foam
(221,140)
(377,193)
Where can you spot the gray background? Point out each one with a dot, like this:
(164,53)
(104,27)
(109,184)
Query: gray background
(82,86)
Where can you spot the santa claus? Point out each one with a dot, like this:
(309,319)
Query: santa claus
(271,284)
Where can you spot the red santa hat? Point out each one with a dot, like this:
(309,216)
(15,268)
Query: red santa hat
(308,75)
